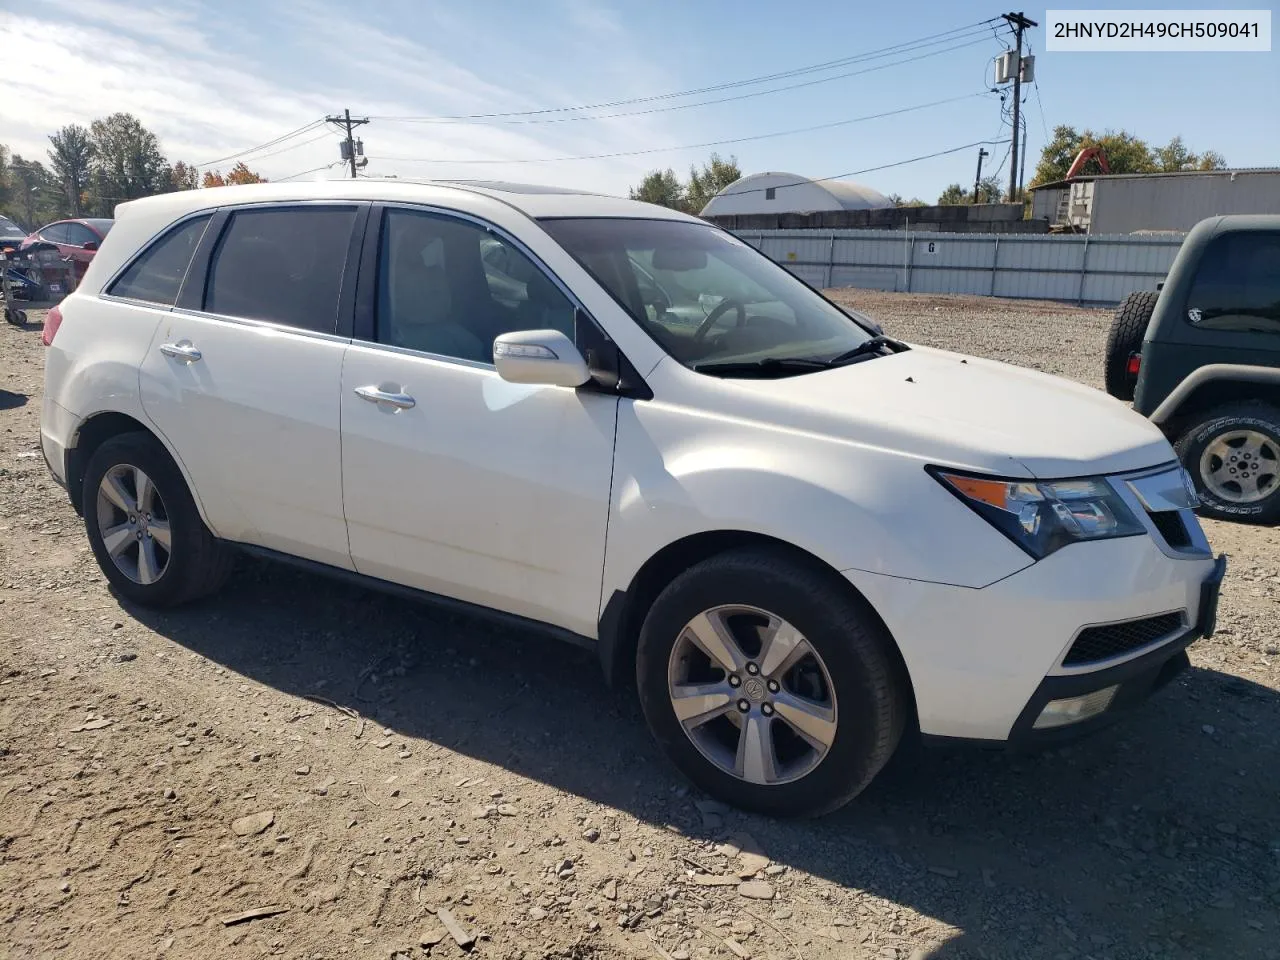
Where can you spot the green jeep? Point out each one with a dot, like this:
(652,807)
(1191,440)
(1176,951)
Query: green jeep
(1200,357)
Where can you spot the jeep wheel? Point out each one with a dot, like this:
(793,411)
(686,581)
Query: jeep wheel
(769,685)
(1128,327)
(1233,454)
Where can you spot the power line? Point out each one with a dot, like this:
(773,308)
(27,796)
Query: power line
(691,146)
(262,146)
(813,68)
(883,166)
(490,118)
(294,146)
(294,176)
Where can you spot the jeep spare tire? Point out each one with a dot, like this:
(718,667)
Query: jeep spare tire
(1128,327)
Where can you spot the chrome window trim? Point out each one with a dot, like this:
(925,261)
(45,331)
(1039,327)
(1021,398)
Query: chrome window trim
(209,212)
(270,325)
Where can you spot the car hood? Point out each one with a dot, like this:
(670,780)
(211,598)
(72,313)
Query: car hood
(961,411)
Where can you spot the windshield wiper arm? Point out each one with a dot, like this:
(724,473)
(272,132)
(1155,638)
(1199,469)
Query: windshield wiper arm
(765,366)
(869,346)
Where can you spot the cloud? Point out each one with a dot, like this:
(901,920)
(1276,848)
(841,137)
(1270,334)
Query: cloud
(210,85)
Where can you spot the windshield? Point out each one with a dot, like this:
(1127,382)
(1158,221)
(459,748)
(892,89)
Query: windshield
(704,295)
(10,230)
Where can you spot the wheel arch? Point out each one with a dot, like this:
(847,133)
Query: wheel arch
(95,430)
(624,611)
(1212,386)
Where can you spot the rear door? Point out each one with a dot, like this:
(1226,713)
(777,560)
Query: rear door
(242,378)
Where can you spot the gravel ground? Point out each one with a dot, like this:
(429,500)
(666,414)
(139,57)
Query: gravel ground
(379,770)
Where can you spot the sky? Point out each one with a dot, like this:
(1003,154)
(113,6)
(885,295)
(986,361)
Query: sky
(213,79)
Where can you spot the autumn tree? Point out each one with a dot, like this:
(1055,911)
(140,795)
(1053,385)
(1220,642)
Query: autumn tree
(710,180)
(183,176)
(237,175)
(70,161)
(127,162)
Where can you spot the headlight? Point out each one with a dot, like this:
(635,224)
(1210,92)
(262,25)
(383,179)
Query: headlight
(1044,516)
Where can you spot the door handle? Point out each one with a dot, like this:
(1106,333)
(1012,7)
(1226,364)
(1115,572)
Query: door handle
(401,401)
(184,350)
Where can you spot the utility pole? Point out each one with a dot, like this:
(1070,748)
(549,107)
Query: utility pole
(350,146)
(977,177)
(1019,24)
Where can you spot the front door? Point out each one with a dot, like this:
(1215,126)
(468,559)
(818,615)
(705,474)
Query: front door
(456,481)
(246,387)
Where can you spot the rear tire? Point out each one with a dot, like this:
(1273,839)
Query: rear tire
(1128,327)
(820,722)
(144,528)
(1246,488)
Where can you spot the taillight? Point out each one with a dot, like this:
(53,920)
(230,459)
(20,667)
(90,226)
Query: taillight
(52,321)
(1135,364)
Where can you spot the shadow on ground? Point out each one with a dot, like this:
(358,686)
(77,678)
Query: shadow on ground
(1158,837)
(9,400)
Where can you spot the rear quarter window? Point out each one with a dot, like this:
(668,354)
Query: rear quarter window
(1237,286)
(156,276)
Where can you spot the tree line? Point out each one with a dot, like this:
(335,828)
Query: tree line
(665,189)
(91,169)
(1125,153)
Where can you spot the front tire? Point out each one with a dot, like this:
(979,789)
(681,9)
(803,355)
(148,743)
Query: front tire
(1233,454)
(144,528)
(769,684)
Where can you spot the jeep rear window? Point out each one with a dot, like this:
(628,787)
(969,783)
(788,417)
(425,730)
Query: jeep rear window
(157,275)
(1238,284)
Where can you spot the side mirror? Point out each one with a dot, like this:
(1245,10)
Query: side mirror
(539,356)
(90,246)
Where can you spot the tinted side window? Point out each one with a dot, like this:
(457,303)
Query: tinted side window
(283,265)
(1238,284)
(79,234)
(449,286)
(157,275)
(56,233)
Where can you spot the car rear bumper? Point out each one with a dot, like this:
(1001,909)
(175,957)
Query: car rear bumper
(985,663)
(57,426)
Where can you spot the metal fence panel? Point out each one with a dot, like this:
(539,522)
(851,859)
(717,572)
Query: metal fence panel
(1083,269)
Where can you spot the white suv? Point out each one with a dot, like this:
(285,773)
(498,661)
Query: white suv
(799,536)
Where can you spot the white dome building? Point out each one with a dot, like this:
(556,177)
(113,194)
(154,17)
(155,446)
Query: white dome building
(789,193)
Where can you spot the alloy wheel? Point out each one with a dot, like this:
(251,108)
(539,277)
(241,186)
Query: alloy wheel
(1241,466)
(134,524)
(752,694)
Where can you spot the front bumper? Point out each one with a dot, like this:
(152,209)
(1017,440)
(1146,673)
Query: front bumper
(1133,680)
(981,661)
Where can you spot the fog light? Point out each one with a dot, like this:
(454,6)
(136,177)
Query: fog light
(1059,713)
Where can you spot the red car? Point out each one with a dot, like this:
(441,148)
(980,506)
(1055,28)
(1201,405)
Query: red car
(77,240)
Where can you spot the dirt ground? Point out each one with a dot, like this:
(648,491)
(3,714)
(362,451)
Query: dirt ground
(399,767)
